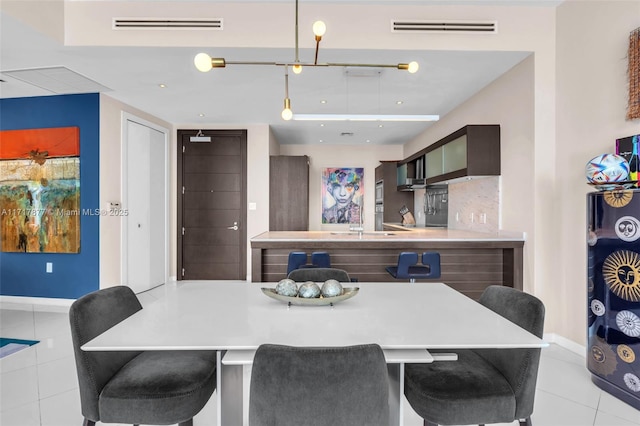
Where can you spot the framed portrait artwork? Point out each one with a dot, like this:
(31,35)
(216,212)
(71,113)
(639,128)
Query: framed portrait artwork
(342,194)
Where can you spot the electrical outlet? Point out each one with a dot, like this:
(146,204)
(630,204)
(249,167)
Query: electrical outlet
(49,267)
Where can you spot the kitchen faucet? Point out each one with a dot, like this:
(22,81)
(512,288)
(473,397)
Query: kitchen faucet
(358,228)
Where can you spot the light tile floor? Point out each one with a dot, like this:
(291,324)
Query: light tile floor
(39,384)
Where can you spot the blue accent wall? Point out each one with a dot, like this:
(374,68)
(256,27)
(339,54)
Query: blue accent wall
(24,274)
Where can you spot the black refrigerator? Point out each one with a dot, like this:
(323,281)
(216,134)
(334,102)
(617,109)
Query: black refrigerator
(613,282)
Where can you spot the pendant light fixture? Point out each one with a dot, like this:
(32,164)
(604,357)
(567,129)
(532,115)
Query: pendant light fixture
(205,63)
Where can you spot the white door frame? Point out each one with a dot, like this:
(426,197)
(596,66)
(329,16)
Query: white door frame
(124,251)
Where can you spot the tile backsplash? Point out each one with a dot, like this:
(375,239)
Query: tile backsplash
(474,205)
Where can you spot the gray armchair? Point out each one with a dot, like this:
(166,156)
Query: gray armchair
(155,387)
(484,385)
(341,386)
(319,274)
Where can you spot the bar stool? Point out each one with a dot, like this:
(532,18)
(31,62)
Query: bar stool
(296,260)
(320,259)
(407,267)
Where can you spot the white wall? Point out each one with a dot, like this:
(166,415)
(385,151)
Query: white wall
(111,146)
(322,156)
(592,42)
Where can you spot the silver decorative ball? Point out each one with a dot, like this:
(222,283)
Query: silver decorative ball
(309,290)
(287,287)
(331,288)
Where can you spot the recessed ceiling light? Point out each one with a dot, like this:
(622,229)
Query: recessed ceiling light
(398,102)
(162,85)
(323,101)
(380,125)
(321,124)
(321,140)
(368,140)
(201,115)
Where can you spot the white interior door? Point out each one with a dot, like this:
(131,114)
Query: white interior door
(145,190)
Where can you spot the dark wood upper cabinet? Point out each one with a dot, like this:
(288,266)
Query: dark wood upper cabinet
(473,150)
(288,193)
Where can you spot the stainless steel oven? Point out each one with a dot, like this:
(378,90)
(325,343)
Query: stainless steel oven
(379,217)
(379,192)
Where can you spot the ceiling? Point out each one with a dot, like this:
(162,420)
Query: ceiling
(243,95)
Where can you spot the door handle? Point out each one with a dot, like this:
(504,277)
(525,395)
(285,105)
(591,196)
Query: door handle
(234,227)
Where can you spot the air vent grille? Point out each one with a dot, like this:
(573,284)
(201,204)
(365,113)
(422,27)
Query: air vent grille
(414,26)
(167,24)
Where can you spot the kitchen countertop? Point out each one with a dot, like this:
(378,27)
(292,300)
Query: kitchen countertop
(402,234)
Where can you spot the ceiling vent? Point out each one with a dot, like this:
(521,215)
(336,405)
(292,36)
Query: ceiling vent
(167,24)
(417,26)
(58,80)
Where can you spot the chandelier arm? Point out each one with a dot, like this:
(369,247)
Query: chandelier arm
(297,57)
(315,64)
(340,64)
(315,61)
(254,63)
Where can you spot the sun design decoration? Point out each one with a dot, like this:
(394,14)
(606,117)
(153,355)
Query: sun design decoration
(618,198)
(628,323)
(621,272)
(602,359)
(632,381)
(626,354)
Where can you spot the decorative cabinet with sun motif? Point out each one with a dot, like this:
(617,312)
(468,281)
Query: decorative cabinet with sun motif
(613,259)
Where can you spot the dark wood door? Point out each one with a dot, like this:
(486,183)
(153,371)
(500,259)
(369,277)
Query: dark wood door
(212,194)
(288,193)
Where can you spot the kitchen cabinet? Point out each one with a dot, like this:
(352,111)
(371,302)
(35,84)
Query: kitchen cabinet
(473,150)
(288,193)
(393,200)
(433,163)
(410,174)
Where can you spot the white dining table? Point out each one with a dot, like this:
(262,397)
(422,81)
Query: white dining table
(235,318)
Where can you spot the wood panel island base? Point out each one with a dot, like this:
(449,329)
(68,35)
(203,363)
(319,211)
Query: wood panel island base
(470,261)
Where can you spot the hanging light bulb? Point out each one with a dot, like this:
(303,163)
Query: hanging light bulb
(319,28)
(412,67)
(287,114)
(297,68)
(202,61)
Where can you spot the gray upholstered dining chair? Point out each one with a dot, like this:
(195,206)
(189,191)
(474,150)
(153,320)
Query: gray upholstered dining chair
(335,386)
(483,385)
(319,274)
(154,387)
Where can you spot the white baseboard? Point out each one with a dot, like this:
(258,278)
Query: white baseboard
(40,304)
(574,347)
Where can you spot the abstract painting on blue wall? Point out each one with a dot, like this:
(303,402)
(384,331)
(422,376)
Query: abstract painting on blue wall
(40,190)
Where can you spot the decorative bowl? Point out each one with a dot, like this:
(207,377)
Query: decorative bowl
(347,293)
(614,186)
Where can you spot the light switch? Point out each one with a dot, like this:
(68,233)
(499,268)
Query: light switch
(49,267)
(252,206)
